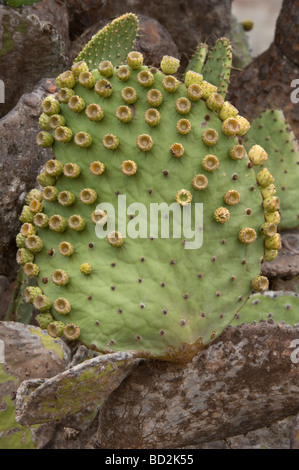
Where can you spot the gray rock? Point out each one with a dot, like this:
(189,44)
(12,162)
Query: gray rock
(30,49)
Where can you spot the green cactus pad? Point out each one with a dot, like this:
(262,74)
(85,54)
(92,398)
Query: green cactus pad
(197,61)
(112,43)
(280,307)
(153,295)
(21,3)
(271,132)
(218,65)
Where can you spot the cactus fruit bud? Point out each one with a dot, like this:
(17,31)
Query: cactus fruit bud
(55,329)
(154,97)
(79,67)
(135,60)
(71,331)
(183,197)
(34,243)
(144,142)
(270,255)
(182,105)
(210,137)
(268,229)
(177,150)
(193,78)
(200,182)
(124,114)
(237,152)
(264,178)
(65,94)
(35,206)
(62,306)
(66,198)
(20,240)
(232,197)
(27,229)
(71,170)
(88,196)
(76,104)
(44,139)
(210,163)
(30,293)
(273,243)
(24,256)
(86,269)
(94,112)
(26,215)
(260,284)
(50,193)
(183,126)
(60,277)
(86,79)
(110,141)
(103,88)
(43,320)
(33,194)
(66,249)
(194,92)
(230,126)
(268,191)
(170,84)
(56,120)
(41,220)
(106,68)
(244,125)
(44,122)
(169,65)
(63,134)
(42,303)
(67,79)
(152,117)
(215,102)
(31,269)
(273,217)
(129,167)
(54,167)
(271,204)
(123,73)
(97,168)
(227,111)
(44,179)
(57,223)
(83,139)
(50,106)
(207,89)
(221,215)
(247,235)
(129,95)
(115,239)
(257,155)
(145,78)
(76,223)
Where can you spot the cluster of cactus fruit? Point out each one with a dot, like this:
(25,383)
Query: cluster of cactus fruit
(136,131)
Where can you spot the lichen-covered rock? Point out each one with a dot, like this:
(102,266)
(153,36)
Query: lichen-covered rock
(24,38)
(26,352)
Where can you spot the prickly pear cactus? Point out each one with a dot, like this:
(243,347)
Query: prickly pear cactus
(272,132)
(133,134)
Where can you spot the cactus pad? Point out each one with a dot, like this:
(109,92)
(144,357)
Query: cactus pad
(271,131)
(276,306)
(113,42)
(140,136)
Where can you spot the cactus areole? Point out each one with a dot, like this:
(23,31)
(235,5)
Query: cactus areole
(140,138)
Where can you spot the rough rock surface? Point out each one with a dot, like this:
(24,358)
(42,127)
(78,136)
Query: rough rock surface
(30,49)
(169,406)
(26,352)
(20,160)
